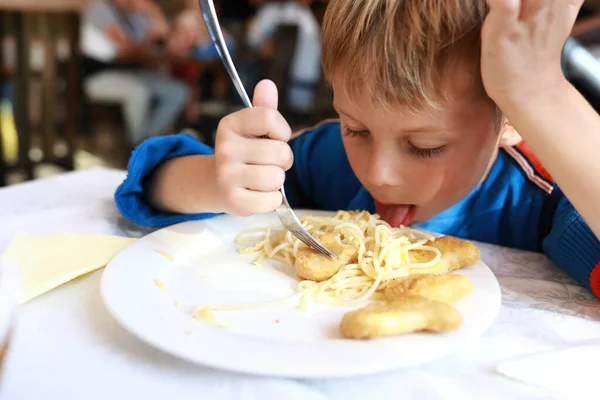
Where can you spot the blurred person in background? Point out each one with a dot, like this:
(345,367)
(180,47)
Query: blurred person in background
(121,48)
(305,70)
(192,48)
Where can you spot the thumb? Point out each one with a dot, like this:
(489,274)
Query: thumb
(265,94)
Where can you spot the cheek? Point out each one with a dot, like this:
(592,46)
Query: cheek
(466,169)
(458,177)
(358,155)
(483,152)
(421,176)
(430,178)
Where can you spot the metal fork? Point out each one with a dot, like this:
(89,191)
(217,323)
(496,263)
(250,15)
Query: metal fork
(284,211)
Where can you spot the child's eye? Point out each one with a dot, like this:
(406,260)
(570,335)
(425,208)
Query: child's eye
(355,133)
(426,153)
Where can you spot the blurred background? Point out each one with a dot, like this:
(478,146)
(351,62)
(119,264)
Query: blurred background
(82,82)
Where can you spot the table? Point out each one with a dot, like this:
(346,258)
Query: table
(66,345)
(48,9)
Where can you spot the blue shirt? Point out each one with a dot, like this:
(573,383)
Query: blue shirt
(515,206)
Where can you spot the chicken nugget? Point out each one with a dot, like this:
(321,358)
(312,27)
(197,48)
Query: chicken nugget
(447,288)
(406,315)
(456,253)
(314,266)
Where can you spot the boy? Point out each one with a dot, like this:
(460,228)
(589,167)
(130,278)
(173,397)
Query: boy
(425,90)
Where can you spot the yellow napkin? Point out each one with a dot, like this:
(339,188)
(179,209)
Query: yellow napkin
(8,133)
(46,262)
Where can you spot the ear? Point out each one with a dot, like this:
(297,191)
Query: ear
(509,136)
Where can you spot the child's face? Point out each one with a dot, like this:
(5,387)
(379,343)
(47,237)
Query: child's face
(416,165)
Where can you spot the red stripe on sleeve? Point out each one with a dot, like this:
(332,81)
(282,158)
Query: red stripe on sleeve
(595,280)
(533,160)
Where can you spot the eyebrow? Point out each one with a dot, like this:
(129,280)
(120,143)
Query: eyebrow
(423,129)
(340,111)
(420,129)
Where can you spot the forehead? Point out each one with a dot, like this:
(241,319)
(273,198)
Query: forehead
(461,98)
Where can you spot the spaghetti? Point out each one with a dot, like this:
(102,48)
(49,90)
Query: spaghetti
(371,254)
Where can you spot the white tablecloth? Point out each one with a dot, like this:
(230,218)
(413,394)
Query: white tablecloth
(67,347)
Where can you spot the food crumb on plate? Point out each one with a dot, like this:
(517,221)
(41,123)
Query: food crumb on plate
(203,313)
(160,284)
(176,303)
(165,254)
(277,321)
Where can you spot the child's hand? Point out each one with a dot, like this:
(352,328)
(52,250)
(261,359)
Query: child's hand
(250,169)
(522,42)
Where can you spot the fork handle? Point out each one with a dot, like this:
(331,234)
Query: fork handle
(209,14)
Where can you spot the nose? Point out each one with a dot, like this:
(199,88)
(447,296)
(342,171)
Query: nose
(384,168)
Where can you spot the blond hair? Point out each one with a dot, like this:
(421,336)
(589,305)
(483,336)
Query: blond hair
(399,50)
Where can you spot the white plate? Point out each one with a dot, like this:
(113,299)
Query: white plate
(282,341)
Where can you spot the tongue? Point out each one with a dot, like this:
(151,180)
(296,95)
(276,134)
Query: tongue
(395,215)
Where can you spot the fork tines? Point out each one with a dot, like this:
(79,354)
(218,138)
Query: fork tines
(307,239)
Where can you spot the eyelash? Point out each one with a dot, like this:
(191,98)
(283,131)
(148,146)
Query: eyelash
(417,151)
(426,153)
(351,133)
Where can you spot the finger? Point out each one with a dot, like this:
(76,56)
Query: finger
(532,9)
(256,151)
(265,95)
(256,122)
(267,152)
(504,11)
(573,11)
(249,202)
(263,178)
(576,4)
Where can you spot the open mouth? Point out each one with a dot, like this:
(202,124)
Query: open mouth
(396,214)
